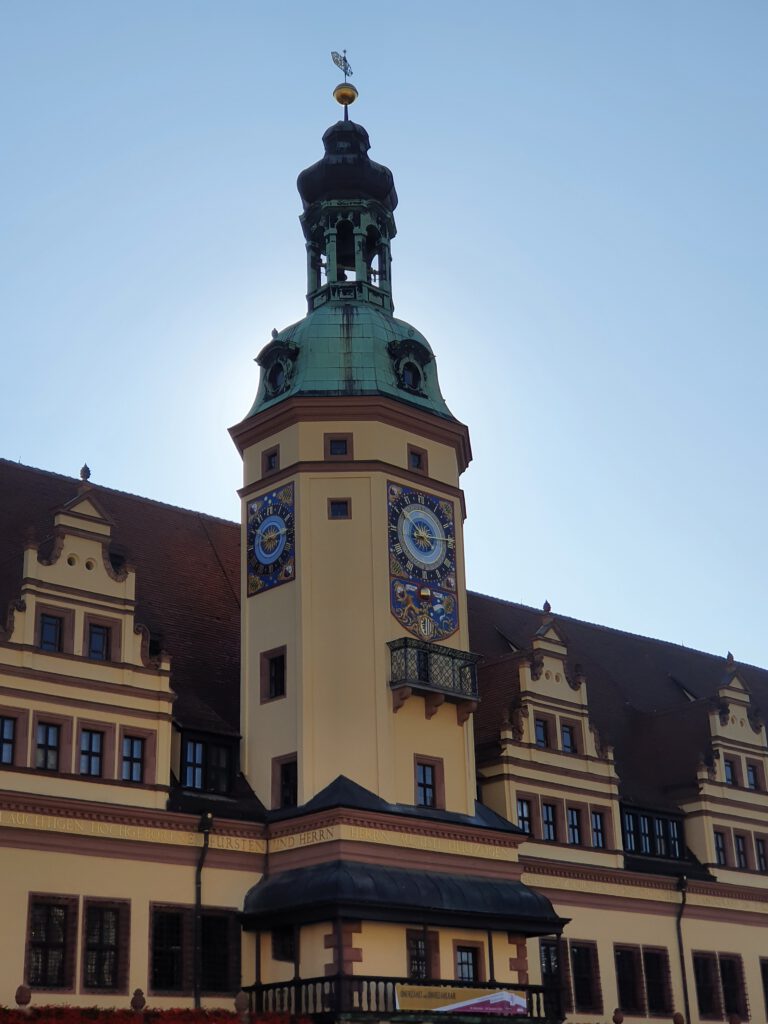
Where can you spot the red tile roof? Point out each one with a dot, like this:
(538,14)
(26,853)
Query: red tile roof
(187,587)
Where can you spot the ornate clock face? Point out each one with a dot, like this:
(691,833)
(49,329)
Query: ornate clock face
(271,540)
(422,562)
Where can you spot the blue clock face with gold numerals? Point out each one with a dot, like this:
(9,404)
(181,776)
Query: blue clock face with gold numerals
(422,562)
(271,540)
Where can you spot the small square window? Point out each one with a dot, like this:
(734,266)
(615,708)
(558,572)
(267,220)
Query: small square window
(339,508)
(51,631)
(417,459)
(270,460)
(541,732)
(338,446)
(98,642)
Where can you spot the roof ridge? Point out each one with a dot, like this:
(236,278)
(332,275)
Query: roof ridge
(615,629)
(115,490)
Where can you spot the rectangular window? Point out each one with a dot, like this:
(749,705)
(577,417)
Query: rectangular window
(467,963)
(339,508)
(585,972)
(730,773)
(753,777)
(50,943)
(628,979)
(167,950)
(218,774)
(762,858)
(270,460)
(417,459)
(764,979)
(192,769)
(91,752)
(48,744)
(598,830)
(657,989)
(660,836)
(133,759)
(276,676)
(425,785)
(732,984)
(98,642)
(707,987)
(569,739)
(674,839)
(548,823)
(541,732)
(284,944)
(524,815)
(630,832)
(721,856)
(741,852)
(645,834)
(173,950)
(422,954)
(51,632)
(289,783)
(102,948)
(573,815)
(7,739)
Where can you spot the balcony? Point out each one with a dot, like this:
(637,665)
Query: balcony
(369,997)
(439,673)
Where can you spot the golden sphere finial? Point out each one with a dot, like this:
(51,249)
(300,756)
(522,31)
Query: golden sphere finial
(345,93)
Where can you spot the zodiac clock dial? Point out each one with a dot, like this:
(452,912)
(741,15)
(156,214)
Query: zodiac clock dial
(422,562)
(271,540)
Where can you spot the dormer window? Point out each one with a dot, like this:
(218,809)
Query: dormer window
(411,376)
(206,765)
(51,632)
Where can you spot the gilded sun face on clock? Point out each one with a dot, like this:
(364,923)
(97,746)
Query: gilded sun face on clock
(271,541)
(422,562)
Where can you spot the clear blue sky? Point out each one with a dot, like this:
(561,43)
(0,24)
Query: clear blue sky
(582,238)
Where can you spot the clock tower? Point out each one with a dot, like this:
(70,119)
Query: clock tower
(355,645)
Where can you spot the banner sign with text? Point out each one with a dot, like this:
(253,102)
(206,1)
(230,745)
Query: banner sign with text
(439,999)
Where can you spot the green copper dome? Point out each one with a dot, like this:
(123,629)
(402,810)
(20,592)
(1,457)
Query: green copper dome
(349,343)
(350,348)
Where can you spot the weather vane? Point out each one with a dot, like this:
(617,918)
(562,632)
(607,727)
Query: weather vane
(344,93)
(340,60)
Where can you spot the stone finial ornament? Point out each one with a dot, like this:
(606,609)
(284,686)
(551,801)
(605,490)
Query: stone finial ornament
(242,1006)
(729,659)
(138,1002)
(678,1018)
(85,473)
(23,997)
(547,607)
(618,1016)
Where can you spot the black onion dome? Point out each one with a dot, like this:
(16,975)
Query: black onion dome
(346,171)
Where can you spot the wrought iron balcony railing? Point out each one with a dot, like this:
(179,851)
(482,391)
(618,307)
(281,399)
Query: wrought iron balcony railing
(424,666)
(370,996)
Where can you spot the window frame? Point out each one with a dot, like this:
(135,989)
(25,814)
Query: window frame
(633,835)
(630,954)
(149,754)
(525,819)
(545,723)
(422,454)
(573,731)
(328,440)
(265,686)
(721,849)
(438,780)
(278,781)
(122,909)
(477,951)
(597,822)
(209,743)
(68,945)
(66,631)
(267,455)
(574,826)
(549,826)
(430,954)
(592,976)
(336,504)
